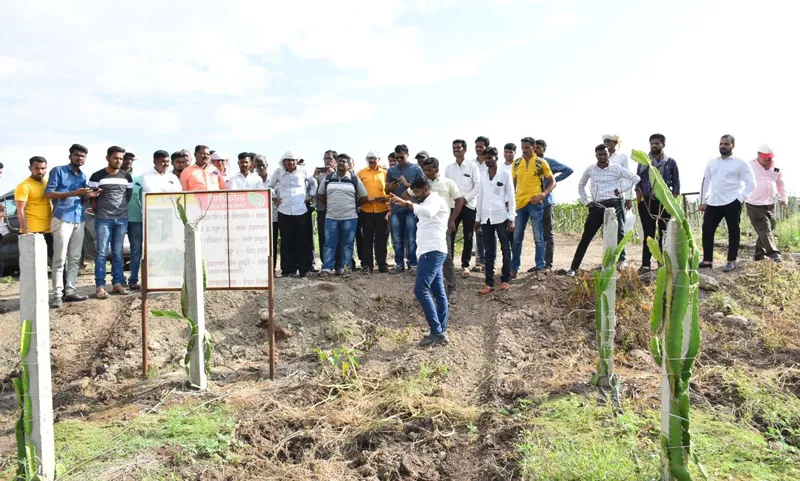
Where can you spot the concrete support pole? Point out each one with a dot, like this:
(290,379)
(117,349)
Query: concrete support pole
(608,319)
(34,308)
(193,263)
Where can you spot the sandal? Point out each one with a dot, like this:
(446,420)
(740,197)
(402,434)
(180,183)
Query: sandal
(465,272)
(101,293)
(486,290)
(477,268)
(504,286)
(706,265)
(120,290)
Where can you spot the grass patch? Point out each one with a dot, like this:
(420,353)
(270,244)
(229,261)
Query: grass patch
(787,233)
(6,280)
(574,438)
(192,434)
(760,401)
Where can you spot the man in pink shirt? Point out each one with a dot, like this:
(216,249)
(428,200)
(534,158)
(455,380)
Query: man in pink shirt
(761,203)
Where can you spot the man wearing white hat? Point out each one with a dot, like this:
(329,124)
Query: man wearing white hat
(220,161)
(292,189)
(761,203)
(727,182)
(374,222)
(618,158)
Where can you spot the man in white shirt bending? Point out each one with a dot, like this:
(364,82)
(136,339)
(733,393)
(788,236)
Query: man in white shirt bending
(608,183)
(433,213)
(727,183)
(495,215)
(240,180)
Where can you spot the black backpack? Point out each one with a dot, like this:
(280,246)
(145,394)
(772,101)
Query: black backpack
(353,179)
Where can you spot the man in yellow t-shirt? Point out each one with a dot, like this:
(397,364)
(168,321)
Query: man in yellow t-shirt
(372,216)
(530,173)
(33,208)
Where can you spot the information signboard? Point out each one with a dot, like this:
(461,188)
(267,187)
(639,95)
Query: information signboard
(235,229)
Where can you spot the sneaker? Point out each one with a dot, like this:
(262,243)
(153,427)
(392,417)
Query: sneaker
(303,275)
(339,272)
(731,265)
(513,274)
(532,270)
(75,297)
(642,270)
(134,286)
(55,303)
(366,270)
(346,272)
(435,340)
(119,290)
(426,341)
(465,272)
(776,258)
(398,270)
(412,270)
(570,273)
(324,274)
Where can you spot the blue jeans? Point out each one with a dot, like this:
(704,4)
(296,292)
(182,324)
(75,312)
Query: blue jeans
(135,240)
(535,213)
(429,287)
(109,231)
(404,228)
(338,233)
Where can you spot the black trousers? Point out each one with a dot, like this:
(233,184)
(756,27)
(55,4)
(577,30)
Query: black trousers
(375,237)
(732,213)
(467,218)
(593,223)
(652,215)
(549,238)
(295,245)
(501,230)
(321,214)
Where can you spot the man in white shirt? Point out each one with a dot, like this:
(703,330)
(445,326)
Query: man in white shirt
(466,175)
(509,154)
(618,158)
(761,203)
(292,192)
(495,216)
(448,190)
(433,214)
(259,179)
(727,183)
(239,181)
(220,161)
(608,183)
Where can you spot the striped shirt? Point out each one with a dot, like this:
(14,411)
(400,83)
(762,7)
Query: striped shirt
(117,189)
(605,182)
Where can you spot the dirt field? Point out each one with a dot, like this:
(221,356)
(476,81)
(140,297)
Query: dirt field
(449,413)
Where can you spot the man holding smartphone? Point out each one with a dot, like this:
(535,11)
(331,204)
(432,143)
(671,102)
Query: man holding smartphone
(375,227)
(404,223)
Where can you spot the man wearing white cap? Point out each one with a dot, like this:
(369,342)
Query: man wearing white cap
(220,161)
(761,203)
(728,181)
(374,223)
(618,158)
(292,189)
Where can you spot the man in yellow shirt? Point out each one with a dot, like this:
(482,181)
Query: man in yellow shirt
(530,173)
(33,208)
(372,215)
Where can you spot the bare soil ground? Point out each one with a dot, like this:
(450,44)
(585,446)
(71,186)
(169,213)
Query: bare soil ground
(414,413)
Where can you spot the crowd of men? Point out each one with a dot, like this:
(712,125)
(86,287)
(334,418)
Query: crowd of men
(491,199)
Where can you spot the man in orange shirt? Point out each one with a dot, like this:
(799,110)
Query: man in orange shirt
(202,175)
(373,216)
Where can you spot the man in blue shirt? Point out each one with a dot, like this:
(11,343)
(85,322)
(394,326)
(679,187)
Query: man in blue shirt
(561,172)
(65,188)
(404,223)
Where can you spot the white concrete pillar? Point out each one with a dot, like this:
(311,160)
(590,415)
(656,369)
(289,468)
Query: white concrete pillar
(193,263)
(608,321)
(34,307)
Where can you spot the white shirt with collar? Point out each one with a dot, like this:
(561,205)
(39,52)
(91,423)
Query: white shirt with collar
(433,214)
(727,180)
(292,188)
(446,188)
(239,181)
(620,159)
(255,182)
(605,182)
(496,202)
(467,178)
(152,181)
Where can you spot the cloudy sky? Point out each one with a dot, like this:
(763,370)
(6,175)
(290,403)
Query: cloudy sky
(365,75)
